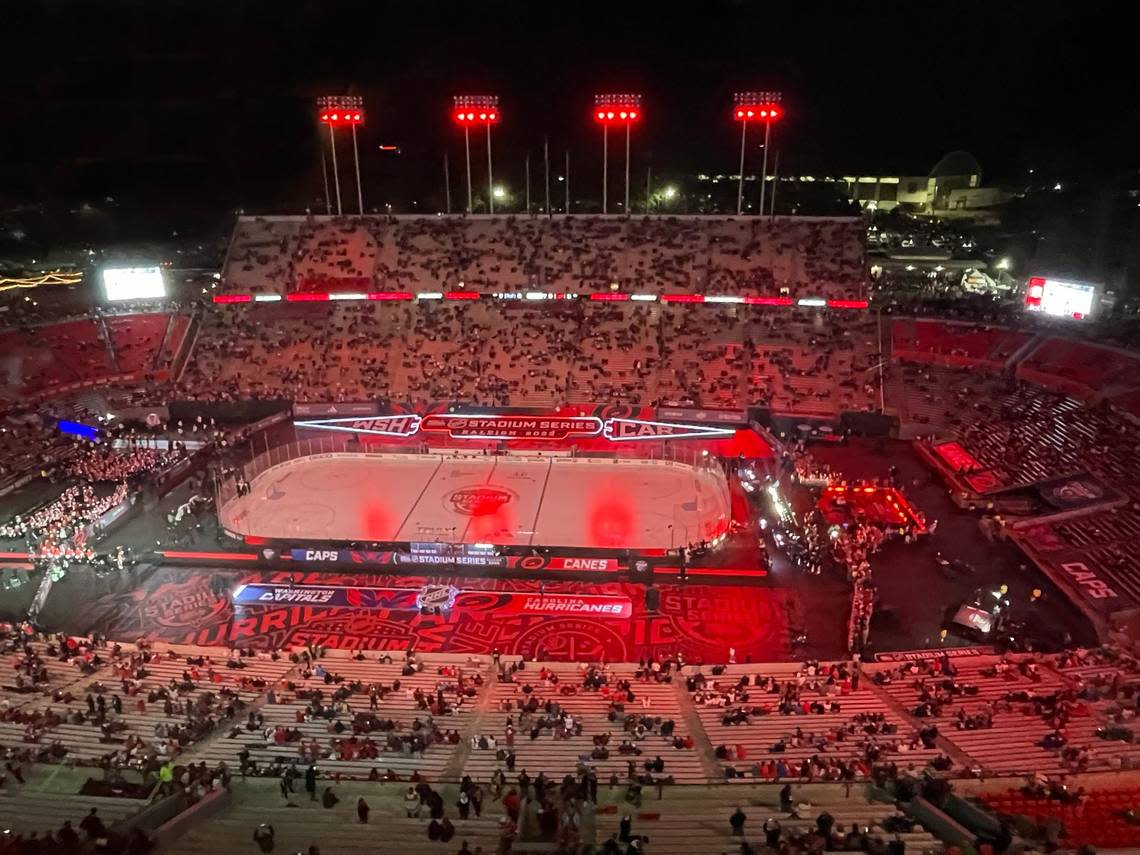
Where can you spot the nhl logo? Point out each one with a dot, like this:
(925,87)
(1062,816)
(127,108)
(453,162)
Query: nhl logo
(437,597)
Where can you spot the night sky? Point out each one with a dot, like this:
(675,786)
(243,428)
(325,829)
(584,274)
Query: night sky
(209,104)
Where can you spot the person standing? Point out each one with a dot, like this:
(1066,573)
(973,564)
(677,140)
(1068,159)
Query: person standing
(464,804)
(362,810)
(772,832)
(737,822)
(311,782)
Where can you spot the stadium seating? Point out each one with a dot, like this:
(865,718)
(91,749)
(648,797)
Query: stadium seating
(554,753)
(798,257)
(685,821)
(288,707)
(948,343)
(46,358)
(772,737)
(1096,819)
(1080,368)
(1011,744)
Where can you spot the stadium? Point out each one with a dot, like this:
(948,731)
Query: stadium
(390,488)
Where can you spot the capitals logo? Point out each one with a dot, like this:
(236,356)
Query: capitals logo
(480,501)
(437,597)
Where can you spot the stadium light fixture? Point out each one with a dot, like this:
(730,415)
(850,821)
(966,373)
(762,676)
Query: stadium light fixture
(471,110)
(760,106)
(339,111)
(616,109)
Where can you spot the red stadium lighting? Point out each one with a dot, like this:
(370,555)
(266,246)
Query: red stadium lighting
(486,108)
(749,105)
(337,111)
(624,108)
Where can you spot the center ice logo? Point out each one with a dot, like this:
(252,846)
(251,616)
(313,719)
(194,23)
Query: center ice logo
(479,501)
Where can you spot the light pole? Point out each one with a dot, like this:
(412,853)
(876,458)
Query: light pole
(625,109)
(340,111)
(469,110)
(747,107)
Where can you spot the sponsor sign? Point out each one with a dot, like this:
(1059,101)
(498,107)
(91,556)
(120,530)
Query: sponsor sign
(431,596)
(512,427)
(933,653)
(357,408)
(713,417)
(625,430)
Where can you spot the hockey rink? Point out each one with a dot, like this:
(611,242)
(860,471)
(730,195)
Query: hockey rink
(504,500)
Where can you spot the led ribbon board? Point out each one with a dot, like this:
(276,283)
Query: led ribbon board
(403,425)
(548,428)
(552,428)
(632,430)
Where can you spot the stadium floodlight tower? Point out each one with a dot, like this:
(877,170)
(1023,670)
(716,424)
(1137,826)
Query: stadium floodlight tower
(619,109)
(469,110)
(338,111)
(755,107)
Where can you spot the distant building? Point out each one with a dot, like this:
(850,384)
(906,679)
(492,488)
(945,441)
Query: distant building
(953,185)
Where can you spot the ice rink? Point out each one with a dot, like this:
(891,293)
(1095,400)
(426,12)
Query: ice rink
(511,499)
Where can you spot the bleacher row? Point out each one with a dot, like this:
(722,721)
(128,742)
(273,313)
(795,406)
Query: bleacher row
(800,257)
(1020,697)
(119,348)
(1010,746)
(495,354)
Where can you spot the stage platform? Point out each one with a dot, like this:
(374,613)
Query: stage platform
(506,500)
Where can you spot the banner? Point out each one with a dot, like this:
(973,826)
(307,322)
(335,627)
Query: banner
(353,408)
(512,427)
(627,430)
(687,414)
(443,597)
(933,653)
(463,555)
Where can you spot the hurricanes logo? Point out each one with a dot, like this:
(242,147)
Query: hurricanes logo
(479,501)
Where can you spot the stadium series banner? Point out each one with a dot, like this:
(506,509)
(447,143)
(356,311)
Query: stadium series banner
(443,597)
(520,427)
(469,558)
(512,427)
